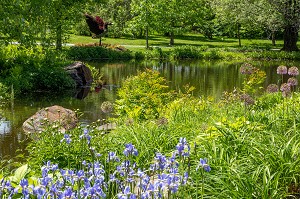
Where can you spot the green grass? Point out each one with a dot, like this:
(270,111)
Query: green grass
(188,39)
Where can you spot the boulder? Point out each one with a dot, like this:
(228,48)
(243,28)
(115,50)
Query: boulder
(63,117)
(81,74)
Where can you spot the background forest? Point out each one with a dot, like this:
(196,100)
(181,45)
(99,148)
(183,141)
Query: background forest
(52,21)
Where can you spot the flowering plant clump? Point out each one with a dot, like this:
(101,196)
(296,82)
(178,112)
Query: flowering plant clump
(292,81)
(247,69)
(253,79)
(282,70)
(107,107)
(293,71)
(94,180)
(285,88)
(272,88)
(247,99)
(203,164)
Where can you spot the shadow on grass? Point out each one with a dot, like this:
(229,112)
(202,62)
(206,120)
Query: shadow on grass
(201,38)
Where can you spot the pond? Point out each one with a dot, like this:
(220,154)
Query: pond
(208,78)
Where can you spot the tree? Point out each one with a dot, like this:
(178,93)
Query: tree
(117,12)
(26,21)
(16,24)
(290,14)
(201,17)
(173,16)
(143,20)
(57,18)
(234,12)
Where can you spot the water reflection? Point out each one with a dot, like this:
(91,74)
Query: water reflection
(82,92)
(5,126)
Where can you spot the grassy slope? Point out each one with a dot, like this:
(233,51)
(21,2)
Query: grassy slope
(188,39)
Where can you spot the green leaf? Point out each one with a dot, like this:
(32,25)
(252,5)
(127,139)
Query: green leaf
(20,173)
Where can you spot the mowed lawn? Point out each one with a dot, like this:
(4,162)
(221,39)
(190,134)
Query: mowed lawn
(188,39)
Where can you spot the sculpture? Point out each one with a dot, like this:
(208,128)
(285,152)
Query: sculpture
(96,25)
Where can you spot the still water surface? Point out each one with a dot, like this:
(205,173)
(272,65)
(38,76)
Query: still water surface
(208,78)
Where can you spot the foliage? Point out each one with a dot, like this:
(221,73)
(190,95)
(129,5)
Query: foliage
(33,69)
(142,96)
(255,147)
(254,79)
(155,53)
(116,176)
(96,52)
(47,21)
(191,52)
(275,55)
(50,146)
(5,95)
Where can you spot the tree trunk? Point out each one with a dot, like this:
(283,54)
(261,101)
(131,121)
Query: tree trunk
(172,38)
(290,37)
(59,37)
(273,38)
(238,34)
(147,39)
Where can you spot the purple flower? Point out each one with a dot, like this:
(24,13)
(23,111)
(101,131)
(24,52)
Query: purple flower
(161,161)
(39,191)
(80,174)
(285,87)
(183,148)
(281,70)
(67,193)
(272,88)
(66,138)
(125,194)
(112,157)
(247,69)
(247,99)
(130,150)
(86,136)
(292,81)
(45,181)
(293,71)
(203,164)
(24,183)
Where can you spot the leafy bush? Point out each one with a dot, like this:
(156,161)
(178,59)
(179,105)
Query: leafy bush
(142,96)
(97,52)
(34,69)
(190,52)
(155,53)
(4,94)
(274,55)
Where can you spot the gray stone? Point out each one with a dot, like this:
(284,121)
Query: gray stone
(81,74)
(55,115)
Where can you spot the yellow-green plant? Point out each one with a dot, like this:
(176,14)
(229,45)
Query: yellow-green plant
(142,96)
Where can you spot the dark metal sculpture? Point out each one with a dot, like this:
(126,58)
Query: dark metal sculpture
(96,25)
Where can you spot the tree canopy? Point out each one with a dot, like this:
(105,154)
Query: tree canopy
(51,21)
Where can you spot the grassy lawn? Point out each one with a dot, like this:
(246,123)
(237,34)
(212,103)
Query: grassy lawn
(188,39)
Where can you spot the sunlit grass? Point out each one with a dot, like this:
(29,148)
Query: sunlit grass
(188,39)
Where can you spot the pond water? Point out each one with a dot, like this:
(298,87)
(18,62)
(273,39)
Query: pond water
(208,78)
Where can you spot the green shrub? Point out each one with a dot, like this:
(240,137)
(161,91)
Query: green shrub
(96,52)
(142,96)
(155,53)
(212,54)
(274,55)
(5,95)
(187,52)
(34,69)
